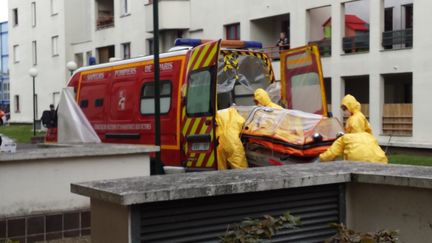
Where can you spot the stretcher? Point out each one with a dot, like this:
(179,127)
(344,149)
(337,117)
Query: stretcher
(283,136)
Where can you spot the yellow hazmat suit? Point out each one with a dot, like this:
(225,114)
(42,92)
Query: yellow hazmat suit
(263,99)
(230,151)
(357,122)
(356,147)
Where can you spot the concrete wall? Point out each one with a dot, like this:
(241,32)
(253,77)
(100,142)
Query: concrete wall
(40,186)
(116,229)
(372,207)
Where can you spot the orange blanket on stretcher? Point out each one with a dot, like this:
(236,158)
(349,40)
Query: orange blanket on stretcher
(289,131)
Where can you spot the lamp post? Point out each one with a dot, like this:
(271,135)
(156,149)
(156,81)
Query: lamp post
(71,66)
(33,72)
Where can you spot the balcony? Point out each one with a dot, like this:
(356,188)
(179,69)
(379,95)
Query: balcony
(104,21)
(173,14)
(358,43)
(274,51)
(397,39)
(105,14)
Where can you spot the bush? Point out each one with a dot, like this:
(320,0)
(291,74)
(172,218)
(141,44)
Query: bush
(345,235)
(254,230)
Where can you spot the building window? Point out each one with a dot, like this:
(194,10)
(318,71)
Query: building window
(15,16)
(105,53)
(88,56)
(33,13)
(104,13)
(15,53)
(79,59)
(56,98)
(320,29)
(17,104)
(398,25)
(54,9)
(34,52)
(150,46)
(232,31)
(398,106)
(124,7)
(126,50)
(54,45)
(356,37)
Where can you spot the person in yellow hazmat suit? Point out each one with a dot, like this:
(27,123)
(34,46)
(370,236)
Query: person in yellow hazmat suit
(360,146)
(230,150)
(262,98)
(356,121)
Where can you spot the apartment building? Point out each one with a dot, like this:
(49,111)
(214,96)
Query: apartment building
(373,49)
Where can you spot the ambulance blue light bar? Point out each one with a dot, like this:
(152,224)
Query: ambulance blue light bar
(225,43)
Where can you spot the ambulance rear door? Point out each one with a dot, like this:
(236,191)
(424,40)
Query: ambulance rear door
(302,80)
(199,111)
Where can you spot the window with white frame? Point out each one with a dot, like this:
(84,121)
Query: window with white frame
(126,50)
(54,7)
(17,104)
(88,56)
(56,98)
(124,7)
(232,31)
(33,13)
(34,52)
(16,53)
(54,45)
(15,16)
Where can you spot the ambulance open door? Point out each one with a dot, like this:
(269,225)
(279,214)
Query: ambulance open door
(302,80)
(198,114)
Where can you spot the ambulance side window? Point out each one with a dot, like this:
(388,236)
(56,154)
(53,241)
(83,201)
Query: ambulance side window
(84,103)
(99,102)
(147,97)
(198,93)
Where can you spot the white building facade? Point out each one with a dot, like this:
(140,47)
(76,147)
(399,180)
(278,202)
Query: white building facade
(385,64)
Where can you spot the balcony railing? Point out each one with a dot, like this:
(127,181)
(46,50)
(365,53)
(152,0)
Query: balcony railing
(397,39)
(274,51)
(358,43)
(104,21)
(324,46)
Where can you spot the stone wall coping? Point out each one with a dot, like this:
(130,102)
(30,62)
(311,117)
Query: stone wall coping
(138,190)
(52,151)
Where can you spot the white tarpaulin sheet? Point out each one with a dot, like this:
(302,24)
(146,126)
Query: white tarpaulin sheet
(73,126)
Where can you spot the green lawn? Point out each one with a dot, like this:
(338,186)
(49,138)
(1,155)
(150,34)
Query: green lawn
(20,133)
(410,159)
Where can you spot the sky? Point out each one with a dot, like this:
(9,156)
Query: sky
(3,10)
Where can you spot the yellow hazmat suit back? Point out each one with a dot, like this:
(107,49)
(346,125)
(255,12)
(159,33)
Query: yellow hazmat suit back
(356,147)
(230,151)
(357,122)
(263,99)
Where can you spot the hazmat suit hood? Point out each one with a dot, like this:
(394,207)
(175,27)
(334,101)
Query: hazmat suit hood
(351,103)
(263,99)
(357,122)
